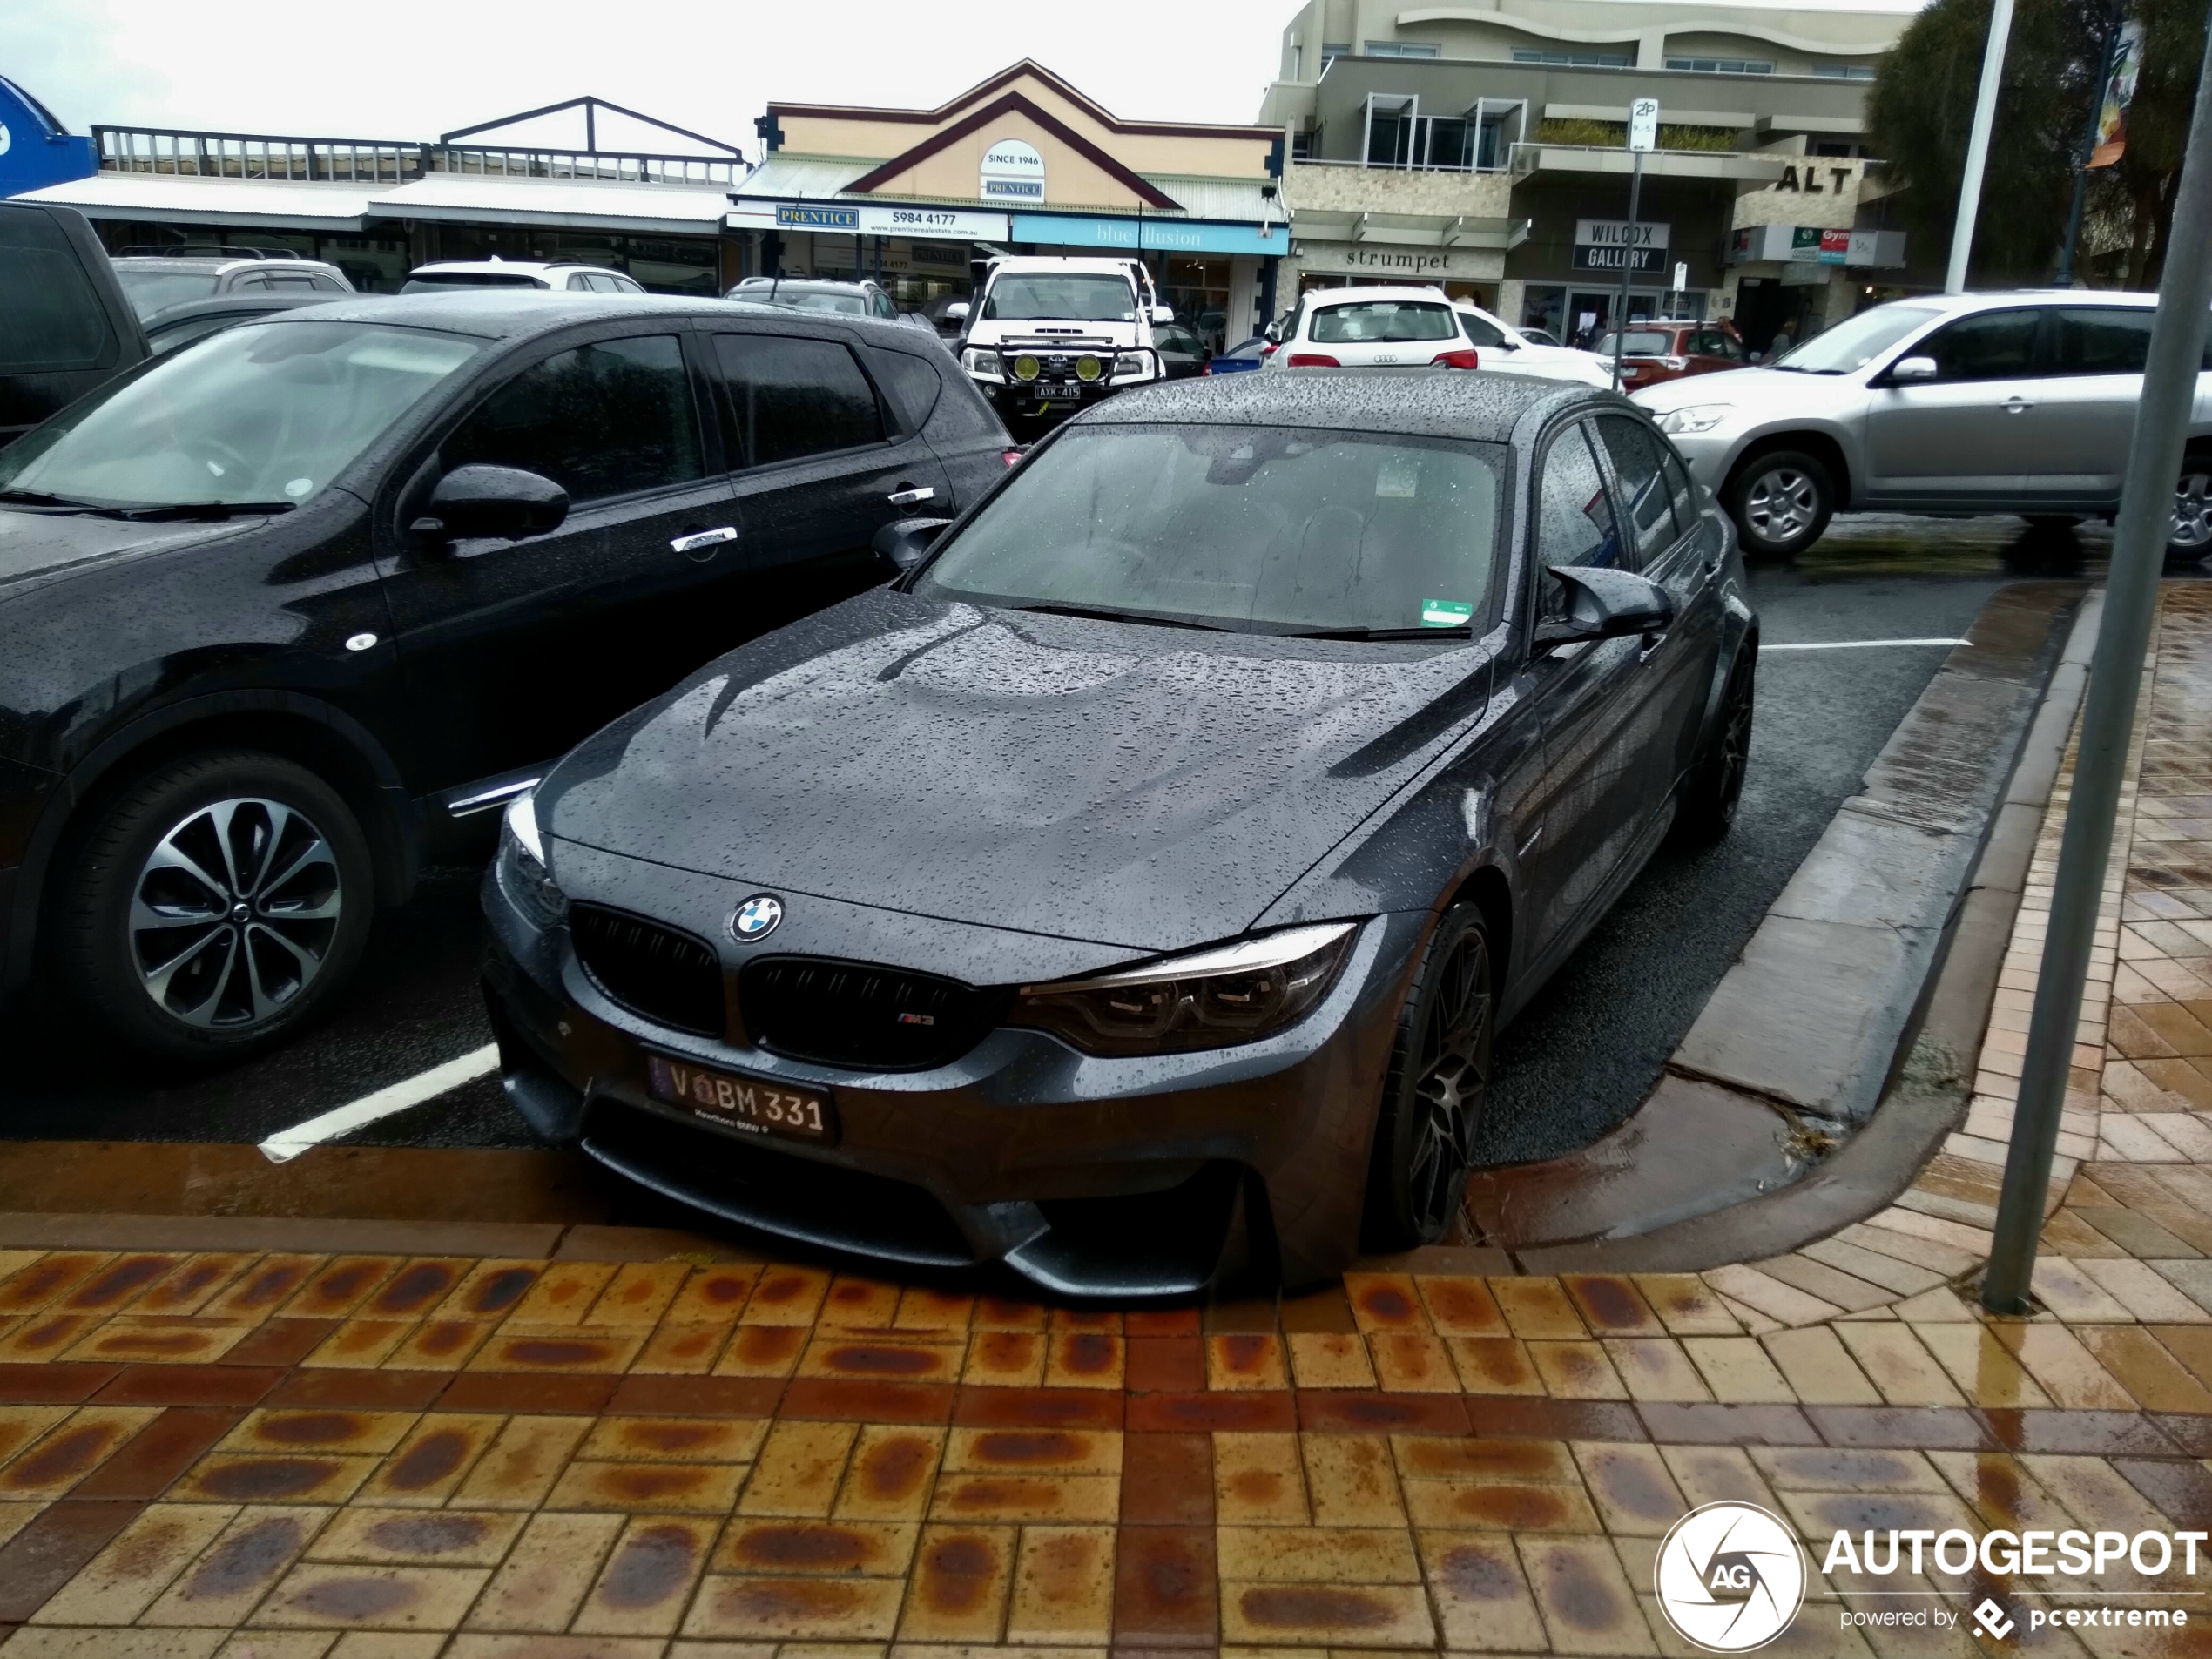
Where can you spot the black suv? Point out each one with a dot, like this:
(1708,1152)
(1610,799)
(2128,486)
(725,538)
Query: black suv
(287,614)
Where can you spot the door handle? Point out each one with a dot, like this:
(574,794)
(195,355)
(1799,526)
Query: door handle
(699,541)
(1651,642)
(910,497)
(2016,405)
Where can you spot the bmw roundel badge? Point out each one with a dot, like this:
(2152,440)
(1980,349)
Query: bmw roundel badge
(755,918)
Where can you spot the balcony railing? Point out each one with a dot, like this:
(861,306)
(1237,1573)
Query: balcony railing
(177,153)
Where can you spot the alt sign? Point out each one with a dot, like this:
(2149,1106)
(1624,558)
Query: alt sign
(1607,244)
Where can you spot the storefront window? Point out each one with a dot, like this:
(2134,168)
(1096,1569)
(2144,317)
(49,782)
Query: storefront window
(1197,287)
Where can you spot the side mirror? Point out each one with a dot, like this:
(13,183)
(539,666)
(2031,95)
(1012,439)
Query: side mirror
(905,542)
(504,501)
(1162,314)
(1913,368)
(1603,604)
(956,311)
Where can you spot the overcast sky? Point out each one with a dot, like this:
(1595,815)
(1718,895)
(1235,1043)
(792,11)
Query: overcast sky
(416,69)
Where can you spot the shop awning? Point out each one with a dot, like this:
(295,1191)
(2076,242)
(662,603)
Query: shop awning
(272,204)
(1411,229)
(569,204)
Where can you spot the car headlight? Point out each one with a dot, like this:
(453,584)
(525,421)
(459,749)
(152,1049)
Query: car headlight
(982,365)
(1702,417)
(1133,365)
(523,876)
(1027,367)
(1207,999)
(1088,367)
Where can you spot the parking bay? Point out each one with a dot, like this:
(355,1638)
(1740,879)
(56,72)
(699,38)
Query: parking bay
(1575,1065)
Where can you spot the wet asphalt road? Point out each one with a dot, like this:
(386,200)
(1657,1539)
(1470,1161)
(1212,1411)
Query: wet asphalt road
(1575,1065)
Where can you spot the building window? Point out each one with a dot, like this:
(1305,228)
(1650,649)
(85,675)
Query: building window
(1835,147)
(1723,65)
(1844,71)
(1332,50)
(1572,60)
(1302,145)
(1402,49)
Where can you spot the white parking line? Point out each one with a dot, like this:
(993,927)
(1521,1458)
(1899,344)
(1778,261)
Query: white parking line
(1856,644)
(286,1144)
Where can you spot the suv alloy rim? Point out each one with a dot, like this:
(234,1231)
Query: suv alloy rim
(2192,510)
(234,913)
(1780,504)
(1454,1074)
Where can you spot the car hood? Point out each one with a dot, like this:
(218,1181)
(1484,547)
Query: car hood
(1144,787)
(35,545)
(1753,389)
(1044,335)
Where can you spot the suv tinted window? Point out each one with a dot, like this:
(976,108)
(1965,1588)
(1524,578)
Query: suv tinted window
(50,317)
(796,397)
(1478,332)
(1576,514)
(1994,346)
(2101,339)
(1636,457)
(911,383)
(606,419)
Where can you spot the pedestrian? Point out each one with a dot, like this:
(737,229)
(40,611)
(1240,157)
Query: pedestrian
(1781,341)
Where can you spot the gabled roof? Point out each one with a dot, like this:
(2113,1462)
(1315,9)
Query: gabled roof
(1015,102)
(1006,77)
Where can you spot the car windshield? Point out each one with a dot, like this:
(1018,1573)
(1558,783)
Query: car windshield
(1383,319)
(1261,529)
(446,281)
(266,412)
(1066,297)
(153,290)
(1641,342)
(1856,341)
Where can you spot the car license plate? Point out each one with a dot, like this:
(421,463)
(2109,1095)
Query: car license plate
(751,1105)
(1048,390)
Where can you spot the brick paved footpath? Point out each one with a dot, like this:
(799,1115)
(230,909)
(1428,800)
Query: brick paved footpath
(290,1456)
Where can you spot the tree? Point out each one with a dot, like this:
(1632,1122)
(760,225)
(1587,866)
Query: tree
(1921,110)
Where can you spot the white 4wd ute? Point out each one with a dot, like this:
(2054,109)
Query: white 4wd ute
(1049,335)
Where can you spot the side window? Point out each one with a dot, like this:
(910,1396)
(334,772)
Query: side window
(1635,458)
(884,307)
(252,282)
(1576,513)
(1478,332)
(49,314)
(607,419)
(581,282)
(2102,340)
(912,384)
(1679,487)
(327,285)
(794,396)
(1993,345)
(621,284)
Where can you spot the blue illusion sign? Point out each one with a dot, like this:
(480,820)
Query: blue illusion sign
(1152,235)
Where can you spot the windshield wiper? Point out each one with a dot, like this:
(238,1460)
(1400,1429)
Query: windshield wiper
(1102,614)
(198,509)
(40,498)
(1464,631)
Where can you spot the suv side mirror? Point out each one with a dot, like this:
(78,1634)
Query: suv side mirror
(493,501)
(1162,314)
(956,311)
(1913,368)
(1603,604)
(905,542)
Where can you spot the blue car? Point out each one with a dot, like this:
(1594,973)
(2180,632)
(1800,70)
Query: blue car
(1239,359)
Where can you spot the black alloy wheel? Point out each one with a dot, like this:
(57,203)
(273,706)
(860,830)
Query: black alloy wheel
(1437,1089)
(215,903)
(1713,791)
(1781,502)
(2190,533)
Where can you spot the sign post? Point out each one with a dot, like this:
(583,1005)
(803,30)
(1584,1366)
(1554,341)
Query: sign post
(1644,138)
(1681,283)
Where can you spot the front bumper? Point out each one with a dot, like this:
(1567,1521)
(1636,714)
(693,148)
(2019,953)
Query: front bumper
(1156,1174)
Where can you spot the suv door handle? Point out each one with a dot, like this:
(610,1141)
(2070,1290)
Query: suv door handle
(699,541)
(2016,404)
(909,496)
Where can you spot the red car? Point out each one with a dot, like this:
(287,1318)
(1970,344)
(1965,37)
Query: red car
(1668,351)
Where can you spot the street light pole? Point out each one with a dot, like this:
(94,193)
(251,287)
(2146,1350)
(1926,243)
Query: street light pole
(1993,72)
(2108,713)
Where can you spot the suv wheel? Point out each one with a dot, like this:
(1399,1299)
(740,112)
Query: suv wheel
(1781,502)
(1438,1085)
(215,904)
(2190,538)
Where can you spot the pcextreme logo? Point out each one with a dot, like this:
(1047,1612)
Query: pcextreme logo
(1730,1577)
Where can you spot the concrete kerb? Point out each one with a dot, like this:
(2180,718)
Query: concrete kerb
(1901,918)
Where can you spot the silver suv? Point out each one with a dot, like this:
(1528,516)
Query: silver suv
(1960,404)
(155,278)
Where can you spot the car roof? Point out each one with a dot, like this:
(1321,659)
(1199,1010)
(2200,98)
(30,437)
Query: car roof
(227,303)
(518,267)
(1418,402)
(210,264)
(1384,291)
(516,313)
(1042,262)
(808,285)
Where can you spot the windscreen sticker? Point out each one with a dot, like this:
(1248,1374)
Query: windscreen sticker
(1399,478)
(1446,613)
